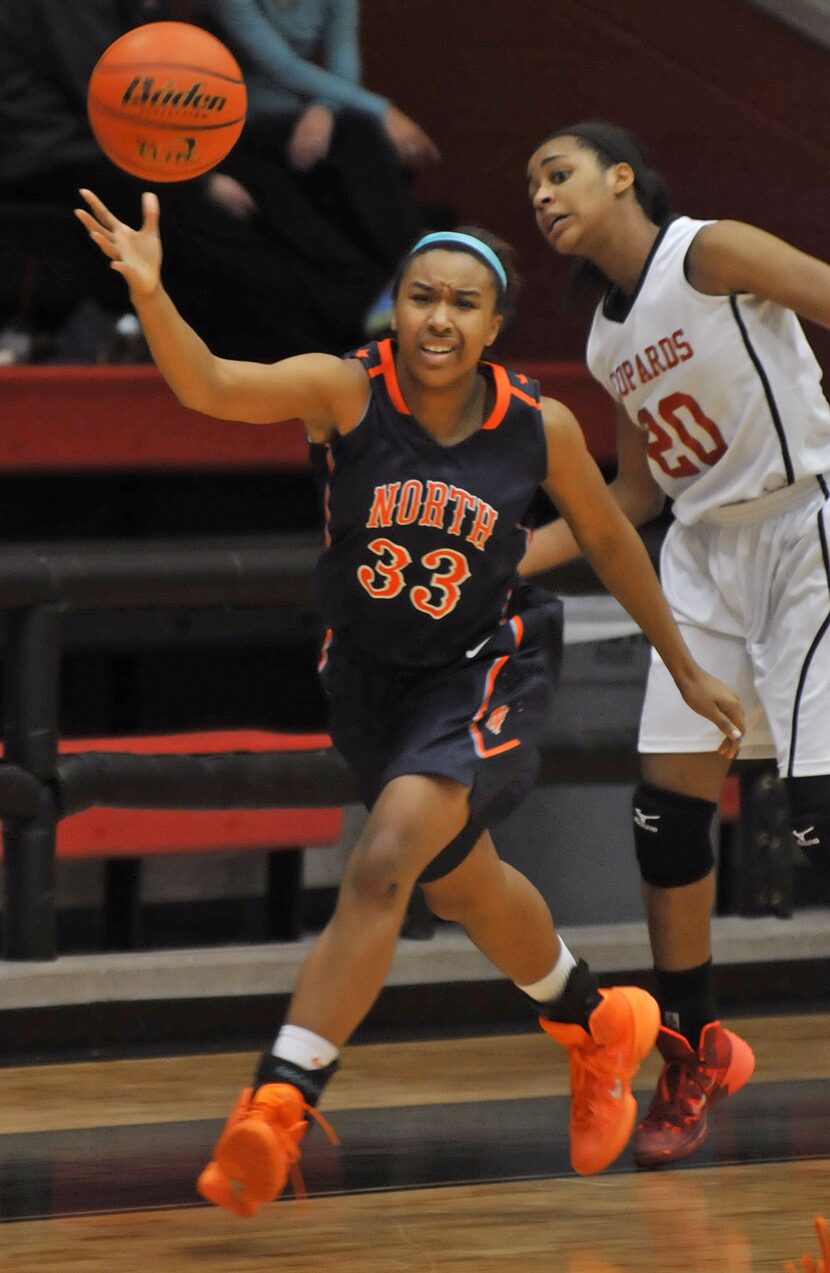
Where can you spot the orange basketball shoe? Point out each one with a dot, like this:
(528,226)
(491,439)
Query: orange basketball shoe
(259,1149)
(690,1084)
(604,1060)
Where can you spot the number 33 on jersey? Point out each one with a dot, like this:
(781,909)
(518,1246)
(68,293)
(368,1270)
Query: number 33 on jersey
(423,539)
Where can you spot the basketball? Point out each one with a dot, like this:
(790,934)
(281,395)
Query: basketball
(166,101)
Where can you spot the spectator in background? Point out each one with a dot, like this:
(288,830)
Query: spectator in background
(61,306)
(327,163)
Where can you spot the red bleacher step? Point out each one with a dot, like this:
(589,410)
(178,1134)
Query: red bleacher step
(106,832)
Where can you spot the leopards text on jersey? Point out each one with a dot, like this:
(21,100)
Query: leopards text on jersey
(726,386)
(423,540)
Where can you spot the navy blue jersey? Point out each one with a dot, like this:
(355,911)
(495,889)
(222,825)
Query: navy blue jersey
(423,540)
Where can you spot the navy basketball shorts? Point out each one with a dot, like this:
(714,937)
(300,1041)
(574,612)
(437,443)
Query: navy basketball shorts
(477,719)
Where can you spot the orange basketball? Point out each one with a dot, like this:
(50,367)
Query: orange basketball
(166,101)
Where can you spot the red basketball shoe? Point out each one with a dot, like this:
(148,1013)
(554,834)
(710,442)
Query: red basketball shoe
(690,1084)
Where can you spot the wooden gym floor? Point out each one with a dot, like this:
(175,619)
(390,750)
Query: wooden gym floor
(453,1157)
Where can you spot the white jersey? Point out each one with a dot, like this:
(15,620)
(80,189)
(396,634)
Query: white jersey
(727,387)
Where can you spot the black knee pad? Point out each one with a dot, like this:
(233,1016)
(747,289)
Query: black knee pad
(672,836)
(810,818)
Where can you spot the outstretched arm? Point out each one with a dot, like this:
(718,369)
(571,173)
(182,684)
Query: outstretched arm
(633,488)
(731,256)
(612,546)
(328,394)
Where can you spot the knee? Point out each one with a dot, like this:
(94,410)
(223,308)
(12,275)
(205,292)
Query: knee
(672,836)
(375,875)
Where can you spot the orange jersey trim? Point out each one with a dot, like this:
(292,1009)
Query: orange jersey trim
(525,397)
(324,650)
(504,392)
(501,380)
(390,375)
(478,741)
(518,630)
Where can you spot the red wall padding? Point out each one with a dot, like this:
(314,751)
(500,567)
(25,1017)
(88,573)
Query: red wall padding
(64,418)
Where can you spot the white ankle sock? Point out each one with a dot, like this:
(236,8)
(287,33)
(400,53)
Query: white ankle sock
(303,1047)
(551,986)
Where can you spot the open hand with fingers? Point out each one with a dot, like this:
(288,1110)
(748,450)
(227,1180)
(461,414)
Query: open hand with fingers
(719,704)
(134,253)
(807,1264)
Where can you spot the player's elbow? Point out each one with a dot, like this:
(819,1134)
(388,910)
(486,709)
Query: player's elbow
(207,394)
(654,501)
(640,501)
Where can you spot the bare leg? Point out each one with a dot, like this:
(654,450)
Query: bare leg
(415,816)
(679,919)
(501,911)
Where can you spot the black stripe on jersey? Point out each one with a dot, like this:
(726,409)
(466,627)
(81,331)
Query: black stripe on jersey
(771,403)
(616,304)
(805,667)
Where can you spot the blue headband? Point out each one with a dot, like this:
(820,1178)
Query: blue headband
(446,238)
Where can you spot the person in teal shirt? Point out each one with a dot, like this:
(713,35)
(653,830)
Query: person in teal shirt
(275,42)
(326,163)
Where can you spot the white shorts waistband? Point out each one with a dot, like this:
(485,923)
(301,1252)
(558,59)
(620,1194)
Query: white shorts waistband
(750,511)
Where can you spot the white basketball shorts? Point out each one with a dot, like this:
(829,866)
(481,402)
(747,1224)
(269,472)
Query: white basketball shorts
(749,586)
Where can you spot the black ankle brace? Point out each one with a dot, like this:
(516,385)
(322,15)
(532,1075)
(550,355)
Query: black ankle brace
(273,1069)
(577,1001)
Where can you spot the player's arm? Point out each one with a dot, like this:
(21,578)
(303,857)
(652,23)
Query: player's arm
(328,394)
(633,488)
(611,544)
(731,256)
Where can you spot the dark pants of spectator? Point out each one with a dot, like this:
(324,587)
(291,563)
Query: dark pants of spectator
(236,283)
(347,222)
